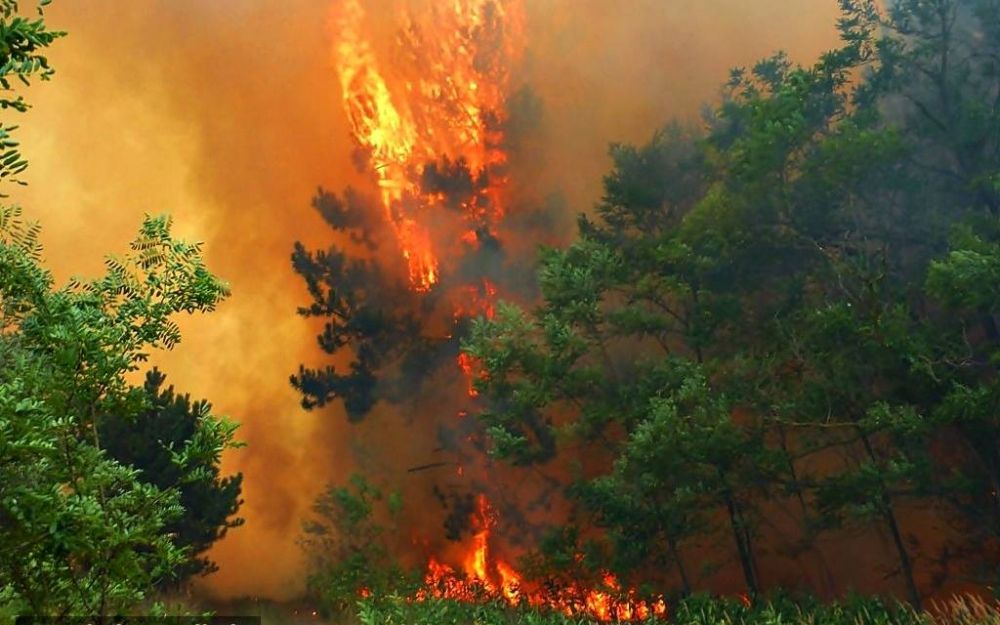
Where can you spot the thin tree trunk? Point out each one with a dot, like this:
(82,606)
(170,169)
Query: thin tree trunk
(791,469)
(675,553)
(742,545)
(889,515)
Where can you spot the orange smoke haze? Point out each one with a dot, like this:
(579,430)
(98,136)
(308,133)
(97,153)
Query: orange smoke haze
(229,115)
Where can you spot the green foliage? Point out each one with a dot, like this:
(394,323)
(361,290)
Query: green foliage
(968,277)
(365,309)
(83,533)
(175,444)
(794,305)
(695,610)
(350,545)
(22,43)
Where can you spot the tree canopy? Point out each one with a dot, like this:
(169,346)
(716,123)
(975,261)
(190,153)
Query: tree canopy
(790,304)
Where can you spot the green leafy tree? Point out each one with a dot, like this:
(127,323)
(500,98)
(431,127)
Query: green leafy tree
(22,43)
(612,361)
(677,467)
(796,257)
(83,533)
(149,441)
(350,543)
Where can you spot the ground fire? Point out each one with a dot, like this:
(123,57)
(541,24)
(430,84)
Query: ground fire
(428,126)
(487,578)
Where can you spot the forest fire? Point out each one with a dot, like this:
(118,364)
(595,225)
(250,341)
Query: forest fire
(487,578)
(758,371)
(429,127)
(433,121)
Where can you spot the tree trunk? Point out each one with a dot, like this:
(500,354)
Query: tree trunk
(889,515)
(675,553)
(742,545)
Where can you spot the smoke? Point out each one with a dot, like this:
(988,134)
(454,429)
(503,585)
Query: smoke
(228,116)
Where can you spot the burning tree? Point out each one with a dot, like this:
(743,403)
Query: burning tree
(743,329)
(429,134)
(421,253)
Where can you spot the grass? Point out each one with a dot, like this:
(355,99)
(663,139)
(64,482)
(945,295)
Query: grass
(699,610)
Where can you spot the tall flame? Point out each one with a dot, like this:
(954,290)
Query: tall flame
(440,104)
(443,99)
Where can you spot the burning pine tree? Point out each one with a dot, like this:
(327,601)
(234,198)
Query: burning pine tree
(420,255)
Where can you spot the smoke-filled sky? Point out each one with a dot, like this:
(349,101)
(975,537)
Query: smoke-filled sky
(227,115)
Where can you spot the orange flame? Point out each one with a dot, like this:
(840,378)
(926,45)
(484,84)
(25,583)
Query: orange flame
(444,99)
(478,560)
(467,364)
(488,579)
(480,302)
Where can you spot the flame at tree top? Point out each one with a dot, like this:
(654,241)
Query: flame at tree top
(444,99)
